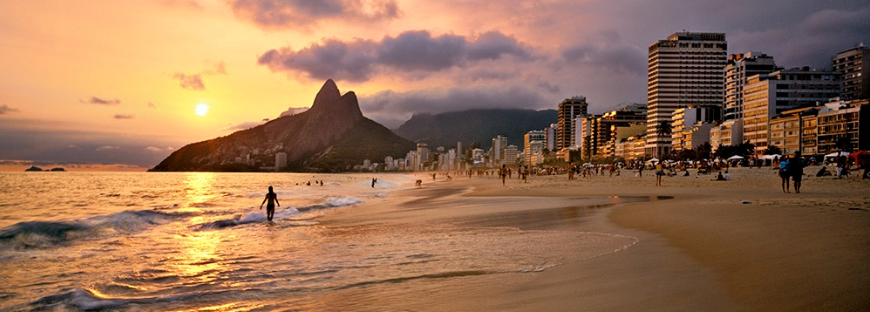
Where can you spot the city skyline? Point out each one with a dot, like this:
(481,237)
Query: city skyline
(95,82)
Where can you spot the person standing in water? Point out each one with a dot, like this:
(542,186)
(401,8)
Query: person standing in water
(272,198)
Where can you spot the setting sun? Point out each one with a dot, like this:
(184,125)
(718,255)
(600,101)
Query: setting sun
(201,109)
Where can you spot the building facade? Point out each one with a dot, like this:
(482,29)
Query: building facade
(737,70)
(856,75)
(683,122)
(779,91)
(568,111)
(686,69)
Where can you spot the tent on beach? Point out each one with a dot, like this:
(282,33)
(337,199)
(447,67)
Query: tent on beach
(735,157)
(832,157)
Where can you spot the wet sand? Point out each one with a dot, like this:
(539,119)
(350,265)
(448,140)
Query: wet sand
(699,247)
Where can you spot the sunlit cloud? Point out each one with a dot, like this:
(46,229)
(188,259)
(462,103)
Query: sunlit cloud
(101,101)
(303,14)
(293,111)
(246,125)
(411,51)
(190,82)
(152,105)
(122,116)
(215,68)
(4,109)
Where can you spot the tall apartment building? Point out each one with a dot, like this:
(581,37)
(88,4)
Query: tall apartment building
(588,126)
(499,143)
(852,64)
(686,69)
(569,109)
(782,90)
(550,137)
(737,70)
(533,144)
(842,121)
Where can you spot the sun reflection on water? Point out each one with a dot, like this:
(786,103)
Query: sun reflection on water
(199,188)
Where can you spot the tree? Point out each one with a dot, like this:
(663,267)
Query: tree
(703,151)
(773,149)
(663,128)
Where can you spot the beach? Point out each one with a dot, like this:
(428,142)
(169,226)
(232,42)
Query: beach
(692,244)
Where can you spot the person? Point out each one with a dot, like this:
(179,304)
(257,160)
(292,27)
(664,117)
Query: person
(503,173)
(272,198)
(640,170)
(784,173)
(720,177)
(796,168)
(659,173)
(841,163)
(374,180)
(727,175)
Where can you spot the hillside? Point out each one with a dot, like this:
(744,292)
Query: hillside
(477,125)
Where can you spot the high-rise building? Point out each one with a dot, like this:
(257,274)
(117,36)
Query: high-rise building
(550,137)
(533,144)
(569,109)
(770,95)
(499,143)
(856,76)
(686,69)
(685,124)
(739,68)
(422,156)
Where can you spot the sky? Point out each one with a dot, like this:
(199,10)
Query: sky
(115,84)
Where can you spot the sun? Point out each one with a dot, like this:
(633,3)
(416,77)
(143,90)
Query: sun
(201,109)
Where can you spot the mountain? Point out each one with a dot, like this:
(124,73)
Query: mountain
(331,136)
(477,125)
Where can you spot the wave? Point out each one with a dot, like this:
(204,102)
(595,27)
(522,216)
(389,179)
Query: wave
(44,234)
(259,217)
(83,299)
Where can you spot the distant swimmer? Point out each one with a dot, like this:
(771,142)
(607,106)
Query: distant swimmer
(270,208)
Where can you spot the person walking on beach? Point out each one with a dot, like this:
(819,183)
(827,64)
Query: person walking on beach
(503,173)
(784,173)
(374,180)
(272,198)
(796,169)
(659,173)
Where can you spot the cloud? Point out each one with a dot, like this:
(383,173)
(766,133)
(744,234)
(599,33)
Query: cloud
(293,111)
(189,4)
(100,101)
(190,82)
(246,125)
(107,148)
(620,58)
(215,68)
(411,51)
(6,109)
(152,105)
(305,14)
(393,108)
(120,116)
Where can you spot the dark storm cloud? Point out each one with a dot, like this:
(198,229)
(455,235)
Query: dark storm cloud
(617,58)
(295,14)
(6,109)
(190,82)
(393,108)
(101,101)
(416,51)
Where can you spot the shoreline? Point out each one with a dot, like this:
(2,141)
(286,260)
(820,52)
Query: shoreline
(701,250)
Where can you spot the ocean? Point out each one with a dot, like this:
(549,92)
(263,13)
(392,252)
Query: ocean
(72,241)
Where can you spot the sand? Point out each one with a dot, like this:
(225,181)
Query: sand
(702,245)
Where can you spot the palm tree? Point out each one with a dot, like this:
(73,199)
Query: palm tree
(663,128)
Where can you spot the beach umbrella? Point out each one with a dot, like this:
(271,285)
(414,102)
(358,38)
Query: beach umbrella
(653,160)
(735,157)
(771,156)
(861,157)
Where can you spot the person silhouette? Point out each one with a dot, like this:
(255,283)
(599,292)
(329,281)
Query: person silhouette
(272,198)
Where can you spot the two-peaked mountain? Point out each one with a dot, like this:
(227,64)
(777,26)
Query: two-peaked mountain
(331,136)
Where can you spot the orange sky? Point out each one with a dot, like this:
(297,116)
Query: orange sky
(82,79)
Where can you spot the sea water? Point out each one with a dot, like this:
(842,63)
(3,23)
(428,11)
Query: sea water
(199,241)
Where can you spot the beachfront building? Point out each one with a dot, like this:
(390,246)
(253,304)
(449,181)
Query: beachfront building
(422,156)
(769,95)
(511,154)
(550,137)
(852,64)
(840,121)
(568,110)
(738,69)
(280,160)
(499,143)
(727,133)
(588,131)
(686,69)
(533,144)
(685,124)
